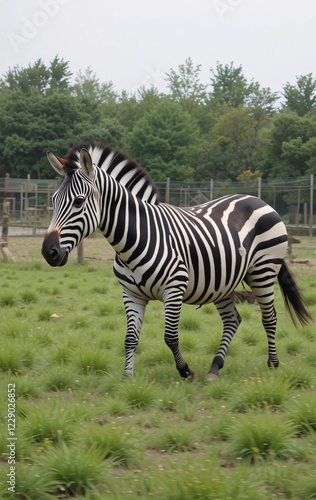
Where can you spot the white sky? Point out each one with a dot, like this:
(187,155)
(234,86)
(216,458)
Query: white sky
(134,42)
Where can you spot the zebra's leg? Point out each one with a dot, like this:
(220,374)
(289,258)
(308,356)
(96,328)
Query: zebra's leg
(173,303)
(231,320)
(265,299)
(135,310)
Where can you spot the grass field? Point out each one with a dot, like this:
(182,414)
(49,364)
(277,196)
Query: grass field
(83,432)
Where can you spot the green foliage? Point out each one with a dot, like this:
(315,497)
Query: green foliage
(73,470)
(89,359)
(49,424)
(115,444)
(175,438)
(270,391)
(162,140)
(32,483)
(302,411)
(137,393)
(7,299)
(222,128)
(261,436)
(301,97)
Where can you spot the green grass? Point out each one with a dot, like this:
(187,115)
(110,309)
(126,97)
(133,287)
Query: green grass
(85,433)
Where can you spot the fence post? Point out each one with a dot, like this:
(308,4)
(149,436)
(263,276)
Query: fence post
(259,187)
(311,205)
(211,189)
(5,230)
(167,195)
(80,253)
(5,220)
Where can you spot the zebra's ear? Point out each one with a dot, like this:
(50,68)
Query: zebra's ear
(57,163)
(86,163)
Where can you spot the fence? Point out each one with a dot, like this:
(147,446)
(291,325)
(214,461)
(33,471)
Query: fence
(294,199)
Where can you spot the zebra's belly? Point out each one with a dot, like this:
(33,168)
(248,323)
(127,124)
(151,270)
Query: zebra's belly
(206,295)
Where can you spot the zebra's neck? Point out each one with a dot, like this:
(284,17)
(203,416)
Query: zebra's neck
(121,214)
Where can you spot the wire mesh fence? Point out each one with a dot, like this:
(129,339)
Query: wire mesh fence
(294,199)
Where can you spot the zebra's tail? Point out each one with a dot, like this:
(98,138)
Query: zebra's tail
(293,298)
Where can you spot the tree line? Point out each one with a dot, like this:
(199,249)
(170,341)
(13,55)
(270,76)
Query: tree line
(229,128)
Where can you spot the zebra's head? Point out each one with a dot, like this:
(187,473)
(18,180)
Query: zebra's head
(76,207)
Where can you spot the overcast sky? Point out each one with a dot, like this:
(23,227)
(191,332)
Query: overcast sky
(134,42)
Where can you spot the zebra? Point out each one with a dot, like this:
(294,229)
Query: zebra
(195,255)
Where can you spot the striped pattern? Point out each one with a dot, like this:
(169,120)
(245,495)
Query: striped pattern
(195,255)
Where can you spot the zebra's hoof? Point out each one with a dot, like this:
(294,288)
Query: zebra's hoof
(189,375)
(211,377)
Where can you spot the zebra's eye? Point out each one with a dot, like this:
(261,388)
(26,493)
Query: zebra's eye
(78,202)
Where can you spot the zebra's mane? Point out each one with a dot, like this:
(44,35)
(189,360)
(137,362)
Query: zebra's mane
(119,166)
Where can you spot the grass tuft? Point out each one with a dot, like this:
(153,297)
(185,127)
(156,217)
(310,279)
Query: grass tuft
(53,424)
(189,323)
(261,393)
(175,438)
(7,299)
(73,470)
(28,297)
(302,412)
(257,435)
(90,360)
(114,443)
(137,393)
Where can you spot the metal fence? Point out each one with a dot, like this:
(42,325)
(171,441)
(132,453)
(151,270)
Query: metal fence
(293,199)
(30,199)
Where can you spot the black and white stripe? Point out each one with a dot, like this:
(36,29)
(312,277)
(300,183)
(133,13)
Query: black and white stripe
(195,255)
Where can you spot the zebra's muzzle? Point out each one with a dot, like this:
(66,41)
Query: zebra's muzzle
(52,251)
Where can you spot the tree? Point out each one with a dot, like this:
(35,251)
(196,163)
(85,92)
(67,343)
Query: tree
(60,74)
(230,86)
(239,135)
(292,144)
(31,125)
(38,76)
(88,86)
(301,97)
(162,141)
(185,84)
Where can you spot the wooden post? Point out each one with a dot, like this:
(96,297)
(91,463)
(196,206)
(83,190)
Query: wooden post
(167,195)
(5,231)
(5,220)
(211,189)
(80,253)
(259,187)
(311,206)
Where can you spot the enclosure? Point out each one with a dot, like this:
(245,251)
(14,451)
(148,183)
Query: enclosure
(29,200)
